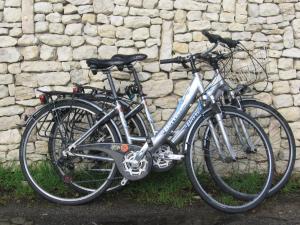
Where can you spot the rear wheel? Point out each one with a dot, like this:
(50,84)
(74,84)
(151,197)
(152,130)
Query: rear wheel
(60,178)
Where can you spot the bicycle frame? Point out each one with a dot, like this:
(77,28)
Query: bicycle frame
(170,126)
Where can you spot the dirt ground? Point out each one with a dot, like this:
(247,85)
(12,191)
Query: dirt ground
(282,209)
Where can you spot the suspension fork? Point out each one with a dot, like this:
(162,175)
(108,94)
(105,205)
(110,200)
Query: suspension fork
(242,125)
(219,119)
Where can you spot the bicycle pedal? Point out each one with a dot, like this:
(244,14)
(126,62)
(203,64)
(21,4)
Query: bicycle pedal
(174,157)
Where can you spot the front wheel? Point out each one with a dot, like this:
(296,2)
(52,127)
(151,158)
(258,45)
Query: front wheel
(250,173)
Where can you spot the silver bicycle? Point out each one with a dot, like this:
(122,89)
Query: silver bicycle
(97,147)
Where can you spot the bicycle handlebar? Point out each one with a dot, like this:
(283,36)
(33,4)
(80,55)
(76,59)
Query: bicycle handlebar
(213,38)
(186,59)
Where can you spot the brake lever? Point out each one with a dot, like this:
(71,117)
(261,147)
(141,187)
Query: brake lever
(185,65)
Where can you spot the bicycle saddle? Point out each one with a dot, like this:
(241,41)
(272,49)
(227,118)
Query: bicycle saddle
(101,64)
(128,59)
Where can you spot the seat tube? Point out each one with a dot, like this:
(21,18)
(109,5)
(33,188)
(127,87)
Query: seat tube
(124,122)
(119,107)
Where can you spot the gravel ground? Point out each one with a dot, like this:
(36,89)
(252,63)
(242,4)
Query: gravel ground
(283,209)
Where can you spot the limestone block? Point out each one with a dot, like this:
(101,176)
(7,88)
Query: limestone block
(140,34)
(291,53)
(123,33)
(48,52)
(77,41)
(120,11)
(116,20)
(135,3)
(281,87)
(180,16)
(12,15)
(268,9)
(41,27)
(108,31)
(54,39)
(80,2)
(30,52)
(10,137)
(199,25)
(296,100)
(183,37)
(151,52)
(9,122)
(6,79)
(26,79)
(96,41)
(53,78)
(287,75)
(285,63)
(228,5)
(150,4)
(41,66)
(11,110)
(137,21)
(85,52)
(82,9)
(295,86)
(180,47)
(74,29)
(181,86)
(166,44)
(264,97)
(43,7)
(89,18)
(189,5)
(80,76)
(6,41)
(288,38)
(68,19)
(9,55)
(70,9)
(64,53)
(56,28)
(154,88)
(103,6)
(22,93)
(280,101)
(290,114)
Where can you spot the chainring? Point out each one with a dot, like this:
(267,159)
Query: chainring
(159,163)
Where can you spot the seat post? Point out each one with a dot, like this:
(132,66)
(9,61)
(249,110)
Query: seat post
(136,79)
(111,84)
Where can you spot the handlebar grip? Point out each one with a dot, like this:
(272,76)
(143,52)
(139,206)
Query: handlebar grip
(230,43)
(213,38)
(167,61)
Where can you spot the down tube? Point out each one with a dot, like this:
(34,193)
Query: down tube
(178,114)
(180,134)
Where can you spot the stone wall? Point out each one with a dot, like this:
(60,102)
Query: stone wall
(44,44)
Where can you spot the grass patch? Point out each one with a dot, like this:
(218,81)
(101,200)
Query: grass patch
(292,186)
(171,188)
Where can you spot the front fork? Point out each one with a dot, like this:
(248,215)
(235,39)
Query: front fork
(219,119)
